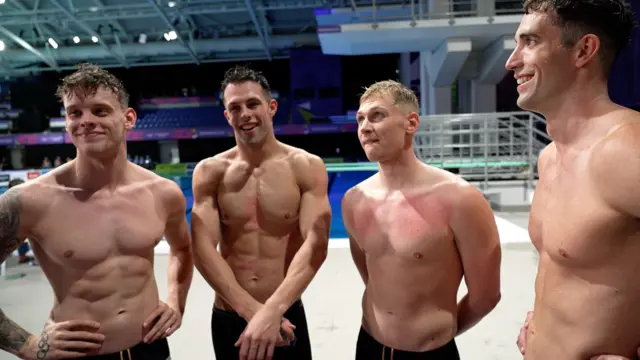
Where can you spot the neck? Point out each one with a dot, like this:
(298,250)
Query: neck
(98,173)
(571,116)
(255,154)
(397,172)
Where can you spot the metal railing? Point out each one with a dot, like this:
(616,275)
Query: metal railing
(375,10)
(492,146)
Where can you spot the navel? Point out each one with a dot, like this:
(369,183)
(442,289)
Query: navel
(67,254)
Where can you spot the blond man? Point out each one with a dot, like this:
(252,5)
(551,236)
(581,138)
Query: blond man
(414,232)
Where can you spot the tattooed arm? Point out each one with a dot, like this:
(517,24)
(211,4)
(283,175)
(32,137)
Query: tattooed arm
(10,229)
(12,336)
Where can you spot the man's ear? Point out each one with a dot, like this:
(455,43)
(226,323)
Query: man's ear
(586,50)
(130,118)
(413,122)
(273,107)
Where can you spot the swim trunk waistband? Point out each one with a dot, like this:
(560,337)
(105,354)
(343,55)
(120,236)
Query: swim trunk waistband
(158,350)
(369,348)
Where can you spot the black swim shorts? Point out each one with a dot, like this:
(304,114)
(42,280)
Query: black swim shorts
(158,350)
(369,348)
(227,326)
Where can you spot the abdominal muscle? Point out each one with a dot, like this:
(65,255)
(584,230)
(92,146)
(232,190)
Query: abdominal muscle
(259,263)
(119,294)
(405,312)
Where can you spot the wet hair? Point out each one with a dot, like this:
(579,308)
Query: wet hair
(15,182)
(241,74)
(610,20)
(401,95)
(86,81)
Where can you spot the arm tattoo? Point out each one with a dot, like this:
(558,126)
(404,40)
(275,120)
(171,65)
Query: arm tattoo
(9,222)
(12,336)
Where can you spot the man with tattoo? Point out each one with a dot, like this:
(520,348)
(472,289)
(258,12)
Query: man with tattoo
(93,224)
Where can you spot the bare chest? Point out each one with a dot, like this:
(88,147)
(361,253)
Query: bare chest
(409,228)
(82,234)
(268,195)
(571,223)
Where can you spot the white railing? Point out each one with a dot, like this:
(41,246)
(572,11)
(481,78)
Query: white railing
(491,146)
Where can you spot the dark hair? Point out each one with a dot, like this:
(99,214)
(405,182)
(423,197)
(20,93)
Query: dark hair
(15,182)
(611,20)
(86,81)
(240,74)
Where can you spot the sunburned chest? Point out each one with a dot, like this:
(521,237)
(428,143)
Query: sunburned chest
(569,220)
(88,232)
(262,195)
(409,228)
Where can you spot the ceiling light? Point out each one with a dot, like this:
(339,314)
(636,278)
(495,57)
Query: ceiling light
(53,43)
(94,39)
(76,39)
(2,46)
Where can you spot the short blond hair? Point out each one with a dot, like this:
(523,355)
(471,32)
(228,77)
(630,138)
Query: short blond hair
(401,95)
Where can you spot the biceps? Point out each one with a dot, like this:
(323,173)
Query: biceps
(10,224)
(205,224)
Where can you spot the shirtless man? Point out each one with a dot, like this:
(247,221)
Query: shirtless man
(415,231)
(93,224)
(266,205)
(584,215)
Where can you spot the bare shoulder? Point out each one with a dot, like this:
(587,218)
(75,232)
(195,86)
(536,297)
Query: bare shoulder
(359,191)
(214,166)
(614,164)
(304,161)
(546,154)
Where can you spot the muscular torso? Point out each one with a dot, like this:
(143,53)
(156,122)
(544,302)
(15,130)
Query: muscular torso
(413,267)
(97,252)
(587,294)
(259,211)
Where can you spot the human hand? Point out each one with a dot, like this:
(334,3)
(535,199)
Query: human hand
(162,322)
(263,333)
(522,337)
(614,357)
(64,340)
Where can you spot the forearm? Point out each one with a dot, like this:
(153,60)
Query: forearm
(470,311)
(12,336)
(180,276)
(302,270)
(217,272)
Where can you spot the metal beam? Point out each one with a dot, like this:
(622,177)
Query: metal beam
(89,30)
(28,47)
(73,54)
(173,28)
(117,13)
(150,63)
(116,23)
(256,24)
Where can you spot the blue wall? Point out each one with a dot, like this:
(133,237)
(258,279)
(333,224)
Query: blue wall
(624,80)
(339,183)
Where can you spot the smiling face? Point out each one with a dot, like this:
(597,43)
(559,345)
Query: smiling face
(385,129)
(249,111)
(543,67)
(97,124)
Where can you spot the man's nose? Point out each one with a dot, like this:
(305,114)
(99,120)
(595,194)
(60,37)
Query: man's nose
(514,61)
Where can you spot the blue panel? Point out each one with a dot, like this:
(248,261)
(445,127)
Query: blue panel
(342,182)
(624,80)
(316,85)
